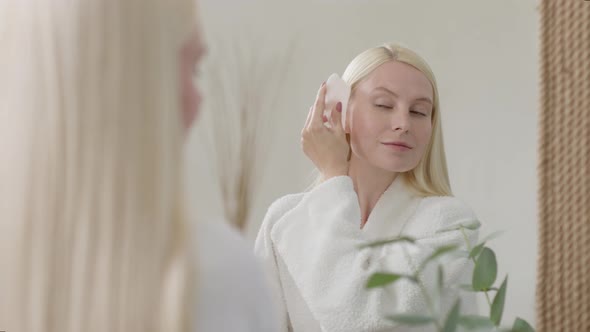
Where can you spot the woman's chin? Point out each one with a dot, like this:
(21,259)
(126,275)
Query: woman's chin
(395,166)
(389,164)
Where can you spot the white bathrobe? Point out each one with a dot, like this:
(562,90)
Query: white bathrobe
(309,243)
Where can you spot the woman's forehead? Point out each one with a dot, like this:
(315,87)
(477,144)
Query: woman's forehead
(398,78)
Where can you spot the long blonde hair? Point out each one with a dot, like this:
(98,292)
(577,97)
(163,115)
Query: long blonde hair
(91,201)
(430,177)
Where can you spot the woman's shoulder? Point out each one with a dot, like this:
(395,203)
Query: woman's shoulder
(324,192)
(445,211)
(282,205)
(445,204)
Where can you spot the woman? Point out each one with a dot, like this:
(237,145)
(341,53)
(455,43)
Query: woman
(96,97)
(383,175)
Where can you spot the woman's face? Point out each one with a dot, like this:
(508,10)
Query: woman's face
(390,117)
(190,55)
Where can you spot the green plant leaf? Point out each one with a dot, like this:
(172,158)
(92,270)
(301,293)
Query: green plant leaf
(485,271)
(437,253)
(521,325)
(469,288)
(492,236)
(412,320)
(452,318)
(476,250)
(471,224)
(380,279)
(388,241)
(497,308)
(472,322)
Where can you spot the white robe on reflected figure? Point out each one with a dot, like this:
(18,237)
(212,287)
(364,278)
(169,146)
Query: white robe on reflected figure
(309,243)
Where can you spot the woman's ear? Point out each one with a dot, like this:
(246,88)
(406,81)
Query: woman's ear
(349,147)
(347,125)
(348,116)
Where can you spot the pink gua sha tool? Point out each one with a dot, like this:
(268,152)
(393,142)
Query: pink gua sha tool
(336,91)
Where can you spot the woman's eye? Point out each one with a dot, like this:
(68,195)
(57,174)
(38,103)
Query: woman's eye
(384,106)
(418,113)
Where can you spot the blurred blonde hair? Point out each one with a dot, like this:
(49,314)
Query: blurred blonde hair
(91,202)
(430,177)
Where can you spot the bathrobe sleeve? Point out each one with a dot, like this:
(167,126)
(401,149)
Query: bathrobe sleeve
(266,252)
(319,240)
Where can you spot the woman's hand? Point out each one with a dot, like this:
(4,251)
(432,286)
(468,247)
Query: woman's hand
(325,146)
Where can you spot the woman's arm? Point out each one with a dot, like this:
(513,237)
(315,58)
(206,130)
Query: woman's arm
(265,251)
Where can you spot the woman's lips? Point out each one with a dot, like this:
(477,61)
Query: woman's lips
(398,146)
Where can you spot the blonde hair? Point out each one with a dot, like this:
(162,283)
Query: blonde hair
(91,199)
(430,177)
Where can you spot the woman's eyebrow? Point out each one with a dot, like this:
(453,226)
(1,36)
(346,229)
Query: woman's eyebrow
(424,99)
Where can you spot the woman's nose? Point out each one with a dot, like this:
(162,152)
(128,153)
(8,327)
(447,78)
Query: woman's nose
(400,121)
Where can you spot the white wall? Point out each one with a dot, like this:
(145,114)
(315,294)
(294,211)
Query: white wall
(484,54)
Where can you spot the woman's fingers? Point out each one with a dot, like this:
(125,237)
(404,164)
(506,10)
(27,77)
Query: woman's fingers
(318,108)
(308,117)
(336,118)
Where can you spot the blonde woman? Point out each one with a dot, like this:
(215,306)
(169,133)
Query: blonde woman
(383,175)
(95,99)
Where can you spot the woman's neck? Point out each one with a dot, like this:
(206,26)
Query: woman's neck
(370,183)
